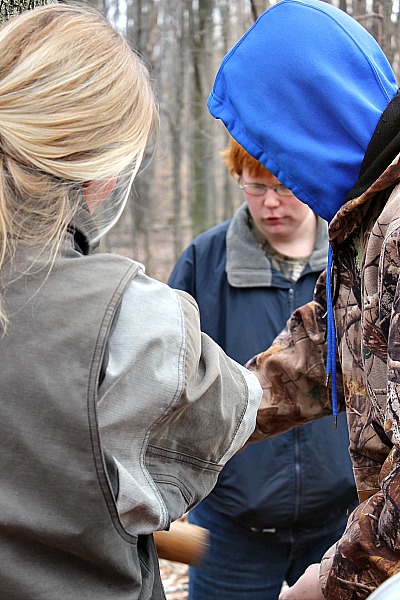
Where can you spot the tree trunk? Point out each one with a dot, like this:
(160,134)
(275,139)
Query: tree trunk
(143,33)
(9,8)
(202,168)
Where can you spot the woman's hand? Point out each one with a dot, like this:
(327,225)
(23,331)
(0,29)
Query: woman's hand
(307,587)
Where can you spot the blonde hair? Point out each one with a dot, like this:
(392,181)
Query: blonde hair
(236,159)
(76,105)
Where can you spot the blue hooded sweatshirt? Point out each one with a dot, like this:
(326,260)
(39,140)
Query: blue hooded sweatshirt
(302,92)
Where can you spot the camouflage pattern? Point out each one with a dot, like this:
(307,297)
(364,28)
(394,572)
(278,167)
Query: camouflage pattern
(365,235)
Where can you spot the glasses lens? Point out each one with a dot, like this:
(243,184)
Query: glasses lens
(255,189)
(259,189)
(283,191)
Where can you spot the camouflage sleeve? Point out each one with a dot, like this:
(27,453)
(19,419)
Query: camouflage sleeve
(368,552)
(292,371)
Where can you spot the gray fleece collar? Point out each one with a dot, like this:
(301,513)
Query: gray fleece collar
(246,263)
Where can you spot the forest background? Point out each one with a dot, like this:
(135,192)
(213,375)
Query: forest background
(183,187)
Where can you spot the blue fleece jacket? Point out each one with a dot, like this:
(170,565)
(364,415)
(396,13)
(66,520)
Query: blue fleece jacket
(283,484)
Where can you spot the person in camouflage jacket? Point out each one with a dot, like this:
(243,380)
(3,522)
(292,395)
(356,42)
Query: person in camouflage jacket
(340,122)
(292,373)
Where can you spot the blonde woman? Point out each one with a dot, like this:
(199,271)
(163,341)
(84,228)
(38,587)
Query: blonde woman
(117,414)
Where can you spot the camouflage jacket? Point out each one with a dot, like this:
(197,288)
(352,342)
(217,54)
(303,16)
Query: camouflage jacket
(365,235)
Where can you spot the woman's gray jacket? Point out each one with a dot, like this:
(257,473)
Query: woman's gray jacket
(117,415)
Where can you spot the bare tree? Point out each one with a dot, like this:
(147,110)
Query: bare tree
(9,8)
(201,34)
(173,109)
(143,33)
(259,6)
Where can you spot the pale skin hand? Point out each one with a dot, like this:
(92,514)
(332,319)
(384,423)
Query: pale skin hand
(307,587)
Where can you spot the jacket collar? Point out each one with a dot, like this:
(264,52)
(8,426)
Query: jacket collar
(83,230)
(353,214)
(248,266)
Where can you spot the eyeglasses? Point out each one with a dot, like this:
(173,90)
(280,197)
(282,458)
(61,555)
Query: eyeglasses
(259,189)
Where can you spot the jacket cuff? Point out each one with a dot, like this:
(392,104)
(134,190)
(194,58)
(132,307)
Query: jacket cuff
(326,564)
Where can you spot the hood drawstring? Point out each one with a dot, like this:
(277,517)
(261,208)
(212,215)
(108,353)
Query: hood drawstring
(331,338)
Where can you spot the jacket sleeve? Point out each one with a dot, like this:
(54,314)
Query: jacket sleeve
(368,552)
(292,371)
(172,408)
(212,421)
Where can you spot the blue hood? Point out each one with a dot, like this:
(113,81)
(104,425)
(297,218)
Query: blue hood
(302,92)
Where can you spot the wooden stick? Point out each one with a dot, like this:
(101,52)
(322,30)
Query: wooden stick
(184,542)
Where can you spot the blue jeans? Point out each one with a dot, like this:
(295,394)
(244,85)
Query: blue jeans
(242,565)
